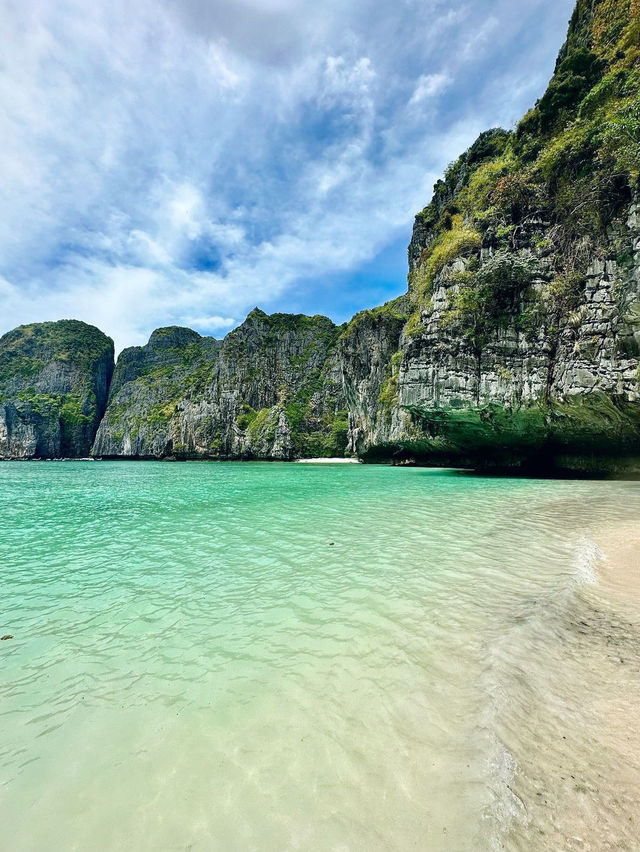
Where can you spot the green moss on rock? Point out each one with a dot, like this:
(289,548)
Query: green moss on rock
(54,379)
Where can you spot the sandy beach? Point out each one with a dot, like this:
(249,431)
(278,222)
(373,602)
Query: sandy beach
(619,568)
(328,461)
(578,779)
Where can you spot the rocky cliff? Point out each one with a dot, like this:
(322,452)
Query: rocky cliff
(149,388)
(516,345)
(54,379)
(271,390)
(524,277)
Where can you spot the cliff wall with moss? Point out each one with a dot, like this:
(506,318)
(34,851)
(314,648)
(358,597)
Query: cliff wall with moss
(54,379)
(522,343)
(270,390)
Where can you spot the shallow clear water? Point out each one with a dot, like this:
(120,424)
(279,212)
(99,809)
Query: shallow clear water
(271,656)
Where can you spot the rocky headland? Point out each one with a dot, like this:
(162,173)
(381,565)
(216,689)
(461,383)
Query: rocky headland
(54,381)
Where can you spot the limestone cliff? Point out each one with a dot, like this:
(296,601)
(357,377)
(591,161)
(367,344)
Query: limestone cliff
(524,278)
(150,384)
(54,378)
(493,371)
(271,389)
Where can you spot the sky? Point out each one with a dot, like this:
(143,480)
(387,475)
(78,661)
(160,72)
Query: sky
(178,162)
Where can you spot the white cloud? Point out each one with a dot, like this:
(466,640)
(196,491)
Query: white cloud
(186,211)
(477,39)
(210,323)
(172,162)
(428,86)
(147,249)
(220,66)
(345,78)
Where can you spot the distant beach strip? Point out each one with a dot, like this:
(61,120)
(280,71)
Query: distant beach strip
(328,461)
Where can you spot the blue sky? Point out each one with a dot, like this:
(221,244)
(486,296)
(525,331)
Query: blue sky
(180,161)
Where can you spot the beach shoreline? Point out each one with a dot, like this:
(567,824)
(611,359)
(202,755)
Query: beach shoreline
(573,735)
(618,567)
(328,461)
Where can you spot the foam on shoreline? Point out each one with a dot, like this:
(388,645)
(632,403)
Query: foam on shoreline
(586,559)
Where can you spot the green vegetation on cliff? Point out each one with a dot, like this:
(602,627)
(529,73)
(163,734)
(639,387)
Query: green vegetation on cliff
(268,390)
(150,384)
(27,350)
(569,169)
(524,268)
(586,434)
(296,412)
(54,378)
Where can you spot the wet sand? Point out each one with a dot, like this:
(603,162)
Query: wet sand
(577,747)
(619,567)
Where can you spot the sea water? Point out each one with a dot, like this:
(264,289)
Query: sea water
(311,657)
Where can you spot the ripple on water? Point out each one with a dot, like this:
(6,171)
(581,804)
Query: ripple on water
(195,666)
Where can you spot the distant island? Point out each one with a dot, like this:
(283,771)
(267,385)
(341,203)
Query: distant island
(517,344)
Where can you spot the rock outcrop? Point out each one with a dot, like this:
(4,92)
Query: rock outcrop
(270,390)
(147,392)
(524,278)
(527,383)
(54,379)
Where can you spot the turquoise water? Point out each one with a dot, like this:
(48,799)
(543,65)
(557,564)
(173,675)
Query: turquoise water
(271,656)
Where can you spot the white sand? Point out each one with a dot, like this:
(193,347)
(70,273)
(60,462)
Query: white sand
(328,461)
(619,570)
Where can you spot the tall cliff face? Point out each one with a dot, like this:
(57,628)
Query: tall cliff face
(370,358)
(54,379)
(495,371)
(271,389)
(149,387)
(524,282)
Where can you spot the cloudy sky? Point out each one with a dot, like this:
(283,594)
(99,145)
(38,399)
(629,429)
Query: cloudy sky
(180,161)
